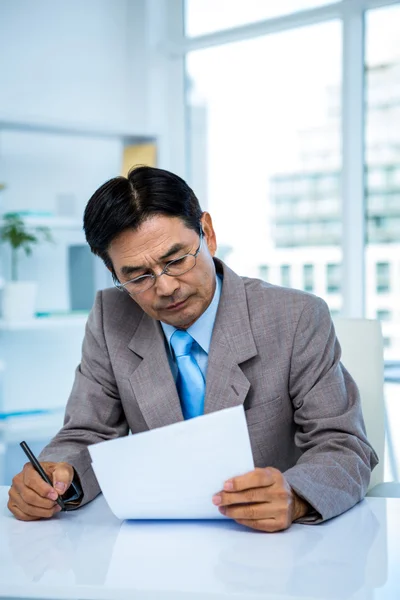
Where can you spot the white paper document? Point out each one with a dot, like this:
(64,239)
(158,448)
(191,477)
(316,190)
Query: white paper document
(173,472)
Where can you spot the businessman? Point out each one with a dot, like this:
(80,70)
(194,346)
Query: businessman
(182,335)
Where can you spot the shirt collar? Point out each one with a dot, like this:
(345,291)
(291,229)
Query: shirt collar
(201,330)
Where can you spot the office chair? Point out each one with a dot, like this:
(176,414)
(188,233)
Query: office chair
(362,354)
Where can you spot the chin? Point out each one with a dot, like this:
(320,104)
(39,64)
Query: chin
(183,321)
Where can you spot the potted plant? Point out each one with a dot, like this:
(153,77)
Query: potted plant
(20,296)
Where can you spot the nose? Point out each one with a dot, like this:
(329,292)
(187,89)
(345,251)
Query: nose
(166,285)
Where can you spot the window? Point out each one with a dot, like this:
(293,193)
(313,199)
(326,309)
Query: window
(382,277)
(387,342)
(333,278)
(382,152)
(207,16)
(384,315)
(308,278)
(270,145)
(285,275)
(272,117)
(263,272)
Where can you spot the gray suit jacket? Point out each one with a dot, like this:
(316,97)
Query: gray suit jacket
(274,350)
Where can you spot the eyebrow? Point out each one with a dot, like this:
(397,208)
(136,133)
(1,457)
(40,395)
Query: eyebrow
(130,270)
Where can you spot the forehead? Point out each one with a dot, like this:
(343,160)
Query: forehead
(155,236)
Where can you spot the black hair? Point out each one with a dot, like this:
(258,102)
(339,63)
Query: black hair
(126,202)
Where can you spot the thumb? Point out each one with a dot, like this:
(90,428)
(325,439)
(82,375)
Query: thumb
(63,475)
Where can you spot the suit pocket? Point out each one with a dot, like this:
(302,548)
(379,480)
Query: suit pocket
(266,409)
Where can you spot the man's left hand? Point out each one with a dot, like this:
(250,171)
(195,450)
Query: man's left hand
(261,499)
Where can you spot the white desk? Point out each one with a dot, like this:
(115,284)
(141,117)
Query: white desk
(89,554)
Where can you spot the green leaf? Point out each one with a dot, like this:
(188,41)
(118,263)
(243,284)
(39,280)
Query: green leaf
(14,232)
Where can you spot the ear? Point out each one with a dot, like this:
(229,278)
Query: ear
(209,233)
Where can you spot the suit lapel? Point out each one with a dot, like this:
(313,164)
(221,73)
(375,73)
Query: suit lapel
(152,381)
(232,343)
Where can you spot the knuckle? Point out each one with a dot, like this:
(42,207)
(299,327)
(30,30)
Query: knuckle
(282,510)
(283,495)
(37,513)
(65,466)
(28,495)
(251,512)
(251,495)
(27,470)
(275,472)
(281,491)
(12,494)
(16,480)
(281,523)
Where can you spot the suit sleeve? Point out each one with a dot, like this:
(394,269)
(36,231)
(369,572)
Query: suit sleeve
(94,412)
(334,469)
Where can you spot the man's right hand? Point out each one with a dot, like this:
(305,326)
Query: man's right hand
(31,498)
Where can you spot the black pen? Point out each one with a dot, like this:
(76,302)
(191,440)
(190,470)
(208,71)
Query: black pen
(38,468)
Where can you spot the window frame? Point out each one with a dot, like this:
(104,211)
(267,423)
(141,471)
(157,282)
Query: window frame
(351,13)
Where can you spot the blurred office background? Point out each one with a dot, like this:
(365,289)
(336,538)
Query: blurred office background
(283,115)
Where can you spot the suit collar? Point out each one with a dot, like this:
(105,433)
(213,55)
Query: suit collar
(232,321)
(232,343)
(152,381)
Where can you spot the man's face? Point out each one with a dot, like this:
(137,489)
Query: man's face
(178,301)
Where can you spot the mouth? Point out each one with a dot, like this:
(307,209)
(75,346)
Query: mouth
(177,306)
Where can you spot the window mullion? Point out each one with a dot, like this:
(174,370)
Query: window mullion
(353,209)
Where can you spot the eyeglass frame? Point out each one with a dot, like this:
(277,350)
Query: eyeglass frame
(122,286)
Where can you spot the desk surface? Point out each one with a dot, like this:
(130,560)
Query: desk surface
(89,554)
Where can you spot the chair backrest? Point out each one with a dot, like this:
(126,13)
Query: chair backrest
(362,354)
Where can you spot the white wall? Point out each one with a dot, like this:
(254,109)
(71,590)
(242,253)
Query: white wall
(81,65)
(73,65)
(70,62)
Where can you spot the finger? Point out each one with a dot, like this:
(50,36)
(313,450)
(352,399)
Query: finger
(36,511)
(261,494)
(258,511)
(267,525)
(62,477)
(19,514)
(32,480)
(31,497)
(254,479)
(32,511)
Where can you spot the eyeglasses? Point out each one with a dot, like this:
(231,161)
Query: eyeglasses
(174,268)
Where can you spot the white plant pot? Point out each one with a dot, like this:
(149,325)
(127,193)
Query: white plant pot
(19,299)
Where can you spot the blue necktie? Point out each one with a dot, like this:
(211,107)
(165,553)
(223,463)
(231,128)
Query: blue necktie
(190,383)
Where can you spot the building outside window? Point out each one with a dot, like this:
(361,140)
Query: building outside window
(384,315)
(264,272)
(382,277)
(285,275)
(308,277)
(288,135)
(333,278)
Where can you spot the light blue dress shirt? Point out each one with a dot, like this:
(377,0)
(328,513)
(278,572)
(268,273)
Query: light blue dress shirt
(201,332)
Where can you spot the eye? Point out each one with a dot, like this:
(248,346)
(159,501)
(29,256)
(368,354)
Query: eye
(137,280)
(178,261)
